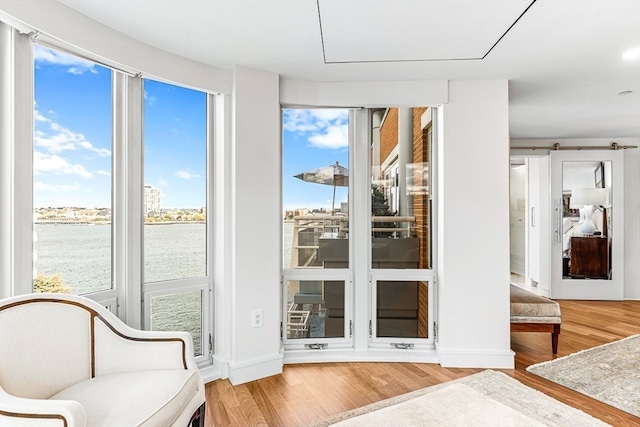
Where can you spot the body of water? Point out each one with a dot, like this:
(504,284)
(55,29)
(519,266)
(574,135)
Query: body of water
(81,255)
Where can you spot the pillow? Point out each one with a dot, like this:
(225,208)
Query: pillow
(566,225)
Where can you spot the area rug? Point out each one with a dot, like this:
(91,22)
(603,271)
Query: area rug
(489,398)
(609,373)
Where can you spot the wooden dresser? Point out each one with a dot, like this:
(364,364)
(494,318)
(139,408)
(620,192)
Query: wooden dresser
(590,257)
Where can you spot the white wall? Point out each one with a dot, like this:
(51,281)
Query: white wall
(631,198)
(364,94)
(632,223)
(58,22)
(256,216)
(473,227)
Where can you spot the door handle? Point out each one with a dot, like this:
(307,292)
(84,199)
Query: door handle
(558,221)
(533,211)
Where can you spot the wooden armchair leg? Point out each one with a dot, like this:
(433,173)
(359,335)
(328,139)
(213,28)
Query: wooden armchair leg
(554,338)
(197,420)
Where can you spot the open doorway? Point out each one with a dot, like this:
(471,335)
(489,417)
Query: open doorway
(529,222)
(517,218)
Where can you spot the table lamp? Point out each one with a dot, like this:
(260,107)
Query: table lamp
(585,199)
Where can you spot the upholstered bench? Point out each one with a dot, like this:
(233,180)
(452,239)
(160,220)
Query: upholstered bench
(533,313)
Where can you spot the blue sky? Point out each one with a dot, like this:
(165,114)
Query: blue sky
(313,139)
(72,136)
(73,153)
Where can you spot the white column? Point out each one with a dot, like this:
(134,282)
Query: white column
(256,225)
(128,196)
(473,227)
(376,122)
(405,157)
(16,162)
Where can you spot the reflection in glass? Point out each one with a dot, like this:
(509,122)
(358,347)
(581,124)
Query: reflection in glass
(586,220)
(315,309)
(401,309)
(400,188)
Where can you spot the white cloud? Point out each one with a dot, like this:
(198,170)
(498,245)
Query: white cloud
(55,188)
(43,163)
(39,117)
(62,139)
(334,137)
(75,64)
(298,120)
(327,128)
(187,174)
(103,172)
(149,99)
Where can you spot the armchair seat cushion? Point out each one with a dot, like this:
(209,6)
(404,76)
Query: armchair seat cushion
(142,398)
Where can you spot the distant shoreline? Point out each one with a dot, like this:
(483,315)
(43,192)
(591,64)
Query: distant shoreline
(109,222)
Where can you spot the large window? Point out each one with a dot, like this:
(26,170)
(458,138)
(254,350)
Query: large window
(121,180)
(175,208)
(357,267)
(72,174)
(315,220)
(401,221)
(175,173)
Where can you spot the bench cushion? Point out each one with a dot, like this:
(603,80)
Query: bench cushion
(143,398)
(529,307)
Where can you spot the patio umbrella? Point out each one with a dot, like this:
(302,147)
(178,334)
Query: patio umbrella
(335,175)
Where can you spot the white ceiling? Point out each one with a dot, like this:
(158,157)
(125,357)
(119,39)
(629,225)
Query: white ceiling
(563,58)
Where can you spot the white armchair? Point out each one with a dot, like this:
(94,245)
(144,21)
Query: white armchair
(67,361)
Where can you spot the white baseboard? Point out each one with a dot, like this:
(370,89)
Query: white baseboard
(476,359)
(210,373)
(250,370)
(372,355)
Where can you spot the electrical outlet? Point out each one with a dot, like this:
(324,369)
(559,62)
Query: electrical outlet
(256,318)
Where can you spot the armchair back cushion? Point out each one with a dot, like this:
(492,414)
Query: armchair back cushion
(44,348)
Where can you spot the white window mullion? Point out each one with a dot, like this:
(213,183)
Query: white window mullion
(360,227)
(16,142)
(208,299)
(127,196)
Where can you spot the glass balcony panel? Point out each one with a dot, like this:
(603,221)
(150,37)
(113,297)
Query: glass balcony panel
(315,309)
(401,189)
(179,312)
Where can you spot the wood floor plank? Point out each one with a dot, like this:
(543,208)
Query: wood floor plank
(310,392)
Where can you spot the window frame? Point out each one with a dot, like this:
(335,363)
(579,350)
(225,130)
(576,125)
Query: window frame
(360,294)
(16,186)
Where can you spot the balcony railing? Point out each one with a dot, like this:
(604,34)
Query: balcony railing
(309,229)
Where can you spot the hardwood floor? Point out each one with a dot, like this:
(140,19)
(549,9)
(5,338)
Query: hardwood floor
(311,392)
